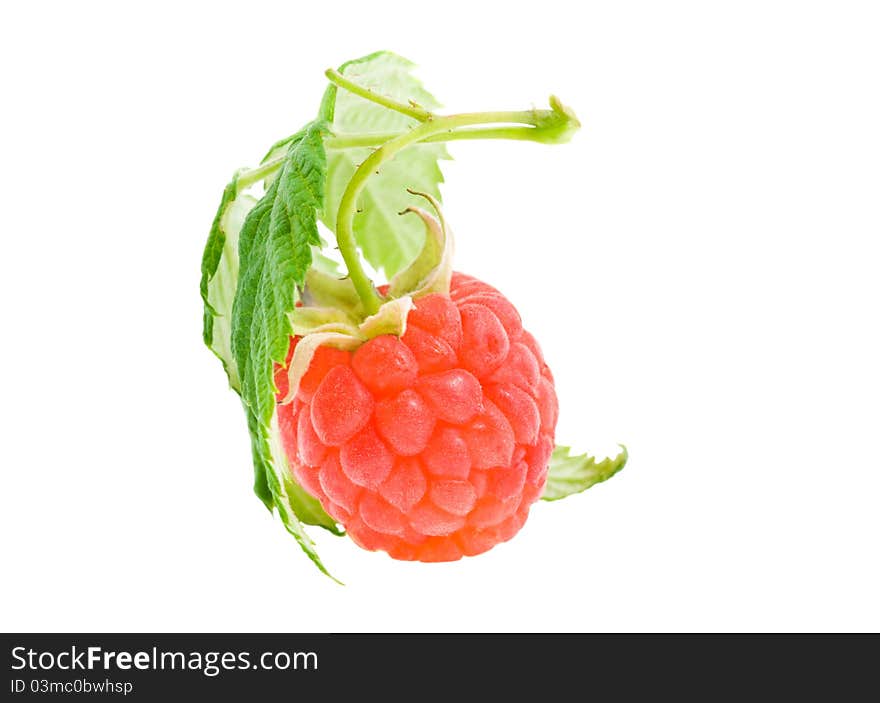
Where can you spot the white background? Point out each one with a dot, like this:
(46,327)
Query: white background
(700,265)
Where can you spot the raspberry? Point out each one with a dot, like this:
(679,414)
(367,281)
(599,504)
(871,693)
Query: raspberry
(419,413)
(431,446)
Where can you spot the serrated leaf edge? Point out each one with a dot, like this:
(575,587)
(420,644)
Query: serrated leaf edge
(589,470)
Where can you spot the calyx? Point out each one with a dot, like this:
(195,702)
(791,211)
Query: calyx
(331,313)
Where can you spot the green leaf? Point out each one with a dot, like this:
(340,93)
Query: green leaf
(275,252)
(573,474)
(261,458)
(218,290)
(269,456)
(220,278)
(388,241)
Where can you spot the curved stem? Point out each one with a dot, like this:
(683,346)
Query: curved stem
(413,111)
(548,125)
(531,132)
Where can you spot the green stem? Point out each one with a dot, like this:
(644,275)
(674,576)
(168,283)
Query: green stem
(410,110)
(250,176)
(549,126)
(351,141)
(531,132)
(546,126)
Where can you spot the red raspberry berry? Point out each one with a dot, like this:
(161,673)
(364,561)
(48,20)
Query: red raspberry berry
(431,446)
